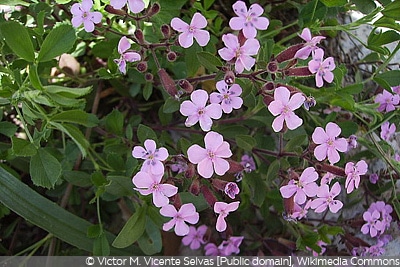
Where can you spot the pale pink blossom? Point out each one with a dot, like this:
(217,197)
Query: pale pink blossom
(125,55)
(322,68)
(248,163)
(327,178)
(223,209)
(328,143)
(197,110)
(135,6)
(300,212)
(248,20)
(211,249)
(301,188)
(187,213)
(373,225)
(396,89)
(195,237)
(384,210)
(387,101)
(81,14)
(192,30)
(387,130)
(212,157)
(241,55)
(152,156)
(231,246)
(283,107)
(228,96)
(373,178)
(353,172)
(326,199)
(231,190)
(309,46)
(148,183)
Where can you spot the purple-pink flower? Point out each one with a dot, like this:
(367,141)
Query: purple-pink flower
(396,89)
(373,225)
(373,178)
(353,172)
(231,246)
(328,143)
(248,163)
(135,6)
(197,110)
(192,30)
(195,237)
(309,46)
(223,209)
(125,55)
(301,188)
(327,178)
(240,54)
(212,157)
(148,183)
(231,190)
(387,101)
(283,107)
(212,249)
(248,20)
(229,97)
(387,130)
(186,213)
(152,157)
(82,14)
(326,199)
(384,210)
(322,68)
(300,212)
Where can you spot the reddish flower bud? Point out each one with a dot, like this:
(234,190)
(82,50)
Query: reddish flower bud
(219,184)
(331,168)
(267,88)
(288,53)
(292,89)
(195,187)
(114,11)
(166,31)
(268,99)
(235,167)
(300,72)
(171,56)
(139,36)
(190,171)
(142,66)
(229,77)
(241,38)
(272,66)
(293,175)
(167,82)
(176,199)
(149,77)
(288,204)
(208,195)
(155,8)
(186,85)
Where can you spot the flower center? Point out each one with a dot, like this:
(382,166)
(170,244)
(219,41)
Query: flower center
(200,111)
(155,187)
(192,29)
(211,154)
(330,142)
(286,110)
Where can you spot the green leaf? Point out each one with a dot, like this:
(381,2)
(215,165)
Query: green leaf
(209,61)
(391,77)
(132,230)
(14,3)
(192,62)
(310,240)
(45,169)
(296,142)
(334,3)
(257,188)
(246,142)
(114,122)
(60,40)
(150,242)
(144,132)
(76,116)
(7,128)
(66,101)
(94,231)
(171,105)
(273,170)
(34,77)
(388,23)
(392,10)
(22,148)
(396,206)
(78,178)
(147,91)
(365,6)
(119,186)
(68,91)
(383,38)
(18,39)
(101,247)
(198,201)
(75,134)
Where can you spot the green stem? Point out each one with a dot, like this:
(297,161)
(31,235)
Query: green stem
(21,117)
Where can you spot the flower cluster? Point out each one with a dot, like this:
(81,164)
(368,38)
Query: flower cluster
(388,101)
(377,218)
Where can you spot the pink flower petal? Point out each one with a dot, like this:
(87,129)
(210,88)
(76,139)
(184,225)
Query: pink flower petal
(88,25)
(333,155)
(186,39)
(221,224)
(117,4)
(306,34)
(196,154)
(199,98)
(181,228)
(256,10)
(213,140)
(192,120)
(214,111)
(251,47)
(179,25)
(277,124)
(282,94)
(249,31)
(221,166)
(159,199)
(226,53)
(319,136)
(205,122)
(139,152)
(236,23)
(205,168)
(240,8)
(132,56)
(188,108)
(231,41)
(169,190)
(288,191)
(223,150)
(142,180)
(202,37)
(296,101)
(136,6)
(198,21)
(293,121)
(168,211)
(96,17)
(87,5)
(335,206)
(162,154)
(320,152)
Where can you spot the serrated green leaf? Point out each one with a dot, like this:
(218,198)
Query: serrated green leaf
(76,116)
(209,61)
(132,230)
(144,132)
(18,39)
(101,247)
(45,169)
(60,40)
(245,141)
(22,148)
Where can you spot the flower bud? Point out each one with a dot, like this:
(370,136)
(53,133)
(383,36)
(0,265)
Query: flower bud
(241,38)
(190,171)
(219,184)
(299,72)
(331,168)
(309,102)
(229,77)
(186,85)
(268,99)
(288,53)
(167,82)
(272,66)
(293,175)
(142,66)
(166,31)
(149,77)
(114,11)
(171,56)
(155,8)
(139,36)
(235,167)
(208,195)
(267,87)
(176,199)
(195,187)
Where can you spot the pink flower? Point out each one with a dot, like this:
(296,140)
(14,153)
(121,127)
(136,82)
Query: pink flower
(387,101)
(248,163)
(322,69)
(283,107)
(223,209)
(240,54)
(300,212)
(326,199)
(187,213)
(351,142)
(387,130)
(197,111)
(248,21)
(231,190)
(384,210)
(148,183)
(152,157)
(82,14)
(328,143)
(327,178)
(212,250)
(229,97)
(195,237)
(231,246)
(396,89)
(212,156)
(373,178)
(373,225)
(309,46)
(305,186)
(193,30)
(129,56)
(135,6)
(353,173)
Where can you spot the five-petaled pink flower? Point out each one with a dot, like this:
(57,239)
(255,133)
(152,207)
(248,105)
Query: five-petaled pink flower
(322,68)
(148,183)
(229,97)
(373,225)
(240,54)
(231,246)
(212,156)
(195,237)
(248,21)
(327,199)
(387,130)
(328,143)
(223,209)
(152,157)
(387,101)
(192,30)
(283,106)
(198,111)
(135,6)
(187,213)
(82,14)
(309,46)
(125,55)
(301,188)
(353,172)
